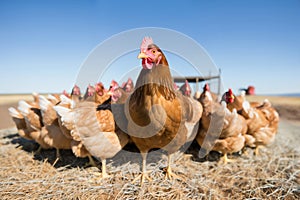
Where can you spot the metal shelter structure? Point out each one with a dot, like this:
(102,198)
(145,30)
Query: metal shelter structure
(197,79)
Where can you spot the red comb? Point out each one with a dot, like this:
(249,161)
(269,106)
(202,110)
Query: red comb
(145,43)
(206,87)
(230,91)
(114,83)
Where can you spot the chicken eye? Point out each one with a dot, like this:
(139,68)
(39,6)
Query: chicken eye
(153,51)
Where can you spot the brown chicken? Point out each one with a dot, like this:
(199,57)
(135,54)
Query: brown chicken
(237,102)
(186,89)
(157,114)
(128,86)
(118,94)
(33,123)
(262,119)
(220,130)
(75,95)
(51,131)
(68,128)
(214,96)
(20,123)
(94,125)
(263,124)
(89,94)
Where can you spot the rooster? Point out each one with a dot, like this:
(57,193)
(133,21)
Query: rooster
(158,116)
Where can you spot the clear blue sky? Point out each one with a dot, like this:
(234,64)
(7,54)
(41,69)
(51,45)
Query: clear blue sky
(254,42)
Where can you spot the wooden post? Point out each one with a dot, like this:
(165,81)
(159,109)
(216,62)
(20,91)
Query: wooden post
(219,83)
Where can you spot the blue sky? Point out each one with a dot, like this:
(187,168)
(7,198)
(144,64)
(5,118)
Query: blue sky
(254,42)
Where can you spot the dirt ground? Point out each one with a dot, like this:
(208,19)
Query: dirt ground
(275,174)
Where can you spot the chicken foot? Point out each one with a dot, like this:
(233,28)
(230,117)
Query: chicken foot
(143,175)
(58,156)
(258,147)
(103,169)
(38,151)
(168,170)
(225,159)
(103,173)
(91,162)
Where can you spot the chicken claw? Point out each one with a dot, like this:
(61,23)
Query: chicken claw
(38,151)
(103,174)
(226,160)
(257,150)
(91,162)
(169,174)
(142,177)
(168,170)
(144,173)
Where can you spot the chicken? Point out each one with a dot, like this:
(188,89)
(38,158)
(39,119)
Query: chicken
(220,130)
(119,94)
(186,89)
(51,131)
(262,119)
(94,125)
(101,93)
(75,95)
(158,116)
(213,95)
(68,128)
(20,123)
(33,123)
(128,86)
(236,102)
(263,124)
(89,94)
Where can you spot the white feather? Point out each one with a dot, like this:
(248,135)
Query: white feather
(246,106)
(14,113)
(65,100)
(44,103)
(66,114)
(208,96)
(51,97)
(24,107)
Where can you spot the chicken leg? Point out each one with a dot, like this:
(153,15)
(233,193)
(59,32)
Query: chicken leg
(38,150)
(225,159)
(143,175)
(58,154)
(91,161)
(258,147)
(169,173)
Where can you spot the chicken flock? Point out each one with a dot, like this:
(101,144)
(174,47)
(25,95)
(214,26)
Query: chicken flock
(155,113)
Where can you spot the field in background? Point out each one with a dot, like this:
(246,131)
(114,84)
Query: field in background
(275,174)
(276,100)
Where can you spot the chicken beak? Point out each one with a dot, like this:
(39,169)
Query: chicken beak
(142,55)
